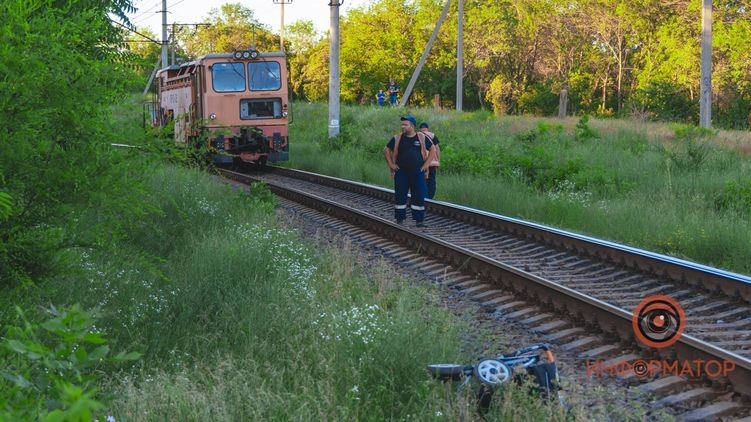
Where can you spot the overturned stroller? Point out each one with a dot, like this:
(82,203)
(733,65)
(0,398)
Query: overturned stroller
(536,361)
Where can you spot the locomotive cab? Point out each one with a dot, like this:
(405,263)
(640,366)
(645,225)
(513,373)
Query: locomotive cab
(236,104)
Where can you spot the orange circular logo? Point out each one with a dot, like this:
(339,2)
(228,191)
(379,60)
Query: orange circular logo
(658,321)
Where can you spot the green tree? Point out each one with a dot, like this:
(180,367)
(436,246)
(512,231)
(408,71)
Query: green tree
(145,51)
(301,38)
(230,27)
(314,74)
(502,46)
(611,55)
(378,44)
(63,70)
(731,61)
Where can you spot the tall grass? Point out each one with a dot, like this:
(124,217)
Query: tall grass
(237,319)
(672,189)
(233,315)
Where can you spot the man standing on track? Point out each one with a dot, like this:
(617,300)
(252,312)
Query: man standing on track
(408,155)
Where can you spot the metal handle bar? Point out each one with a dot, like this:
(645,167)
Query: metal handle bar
(521,355)
(531,348)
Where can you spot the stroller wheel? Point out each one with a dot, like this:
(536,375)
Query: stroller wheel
(446,371)
(492,372)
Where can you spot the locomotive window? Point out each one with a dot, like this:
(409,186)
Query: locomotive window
(261,109)
(264,76)
(228,77)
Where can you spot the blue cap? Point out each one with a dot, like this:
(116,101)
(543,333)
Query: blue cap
(410,119)
(424,125)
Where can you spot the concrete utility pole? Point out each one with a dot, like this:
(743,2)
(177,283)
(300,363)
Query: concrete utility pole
(460,56)
(334,83)
(705,93)
(164,34)
(281,25)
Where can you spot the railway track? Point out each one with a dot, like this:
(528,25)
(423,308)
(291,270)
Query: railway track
(596,284)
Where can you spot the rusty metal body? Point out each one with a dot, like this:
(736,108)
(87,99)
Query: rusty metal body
(236,104)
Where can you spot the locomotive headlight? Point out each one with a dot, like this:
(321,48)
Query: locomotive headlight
(284,114)
(253,54)
(212,116)
(237,54)
(246,54)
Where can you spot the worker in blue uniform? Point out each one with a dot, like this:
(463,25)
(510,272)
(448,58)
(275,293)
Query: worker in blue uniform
(408,155)
(436,162)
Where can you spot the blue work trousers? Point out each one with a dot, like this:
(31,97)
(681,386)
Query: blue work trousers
(412,181)
(431,182)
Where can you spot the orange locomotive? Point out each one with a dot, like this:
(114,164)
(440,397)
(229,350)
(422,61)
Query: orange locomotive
(237,104)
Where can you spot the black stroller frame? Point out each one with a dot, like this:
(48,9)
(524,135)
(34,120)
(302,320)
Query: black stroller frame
(536,360)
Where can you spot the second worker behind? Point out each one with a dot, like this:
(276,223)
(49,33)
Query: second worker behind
(435,162)
(408,155)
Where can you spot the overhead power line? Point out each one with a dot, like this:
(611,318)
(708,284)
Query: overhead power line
(135,32)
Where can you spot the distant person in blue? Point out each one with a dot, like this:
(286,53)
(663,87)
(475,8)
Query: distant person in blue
(381,96)
(408,155)
(393,90)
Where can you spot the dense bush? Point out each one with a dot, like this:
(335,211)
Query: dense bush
(665,101)
(49,368)
(736,196)
(62,73)
(539,100)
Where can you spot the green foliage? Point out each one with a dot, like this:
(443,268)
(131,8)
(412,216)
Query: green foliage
(735,114)
(614,57)
(539,165)
(456,160)
(735,196)
(6,205)
(664,101)
(233,309)
(51,367)
(231,26)
(261,198)
(384,42)
(500,95)
(693,148)
(264,306)
(54,147)
(538,100)
(632,142)
(583,131)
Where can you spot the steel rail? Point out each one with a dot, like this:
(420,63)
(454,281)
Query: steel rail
(729,283)
(592,311)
